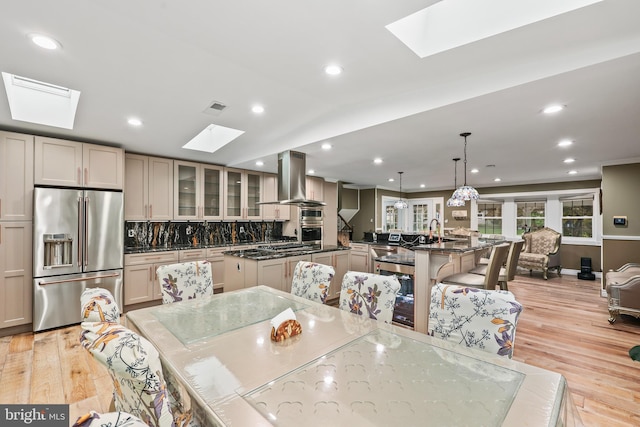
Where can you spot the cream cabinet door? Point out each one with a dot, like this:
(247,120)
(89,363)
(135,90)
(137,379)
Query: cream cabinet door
(360,257)
(16,280)
(186,192)
(160,189)
(57,162)
(136,187)
(315,188)
(272,273)
(212,178)
(339,260)
(243,191)
(16,177)
(270,194)
(102,167)
(138,284)
(216,258)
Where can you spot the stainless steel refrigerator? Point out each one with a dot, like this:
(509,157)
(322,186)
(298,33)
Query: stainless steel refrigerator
(78,241)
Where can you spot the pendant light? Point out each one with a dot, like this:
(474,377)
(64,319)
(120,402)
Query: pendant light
(400,204)
(466,192)
(455,203)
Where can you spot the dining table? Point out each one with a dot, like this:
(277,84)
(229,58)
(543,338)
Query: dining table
(341,370)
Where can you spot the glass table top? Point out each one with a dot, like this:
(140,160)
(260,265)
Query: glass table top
(222,313)
(387,379)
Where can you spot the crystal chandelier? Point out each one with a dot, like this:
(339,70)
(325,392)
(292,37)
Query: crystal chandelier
(400,204)
(455,203)
(466,192)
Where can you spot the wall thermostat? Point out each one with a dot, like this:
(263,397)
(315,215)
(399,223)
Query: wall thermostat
(619,220)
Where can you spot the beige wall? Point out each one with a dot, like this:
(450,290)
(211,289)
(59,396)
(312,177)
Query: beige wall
(620,244)
(571,254)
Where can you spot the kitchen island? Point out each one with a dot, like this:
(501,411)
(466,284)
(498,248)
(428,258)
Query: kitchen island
(437,260)
(273,266)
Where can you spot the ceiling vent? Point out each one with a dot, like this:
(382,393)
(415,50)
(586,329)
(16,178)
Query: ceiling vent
(215,108)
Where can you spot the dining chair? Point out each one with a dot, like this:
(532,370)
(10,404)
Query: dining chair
(185,281)
(477,318)
(99,305)
(508,272)
(136,371)
(370,294)
(490,279)
(111,419)
(312,280)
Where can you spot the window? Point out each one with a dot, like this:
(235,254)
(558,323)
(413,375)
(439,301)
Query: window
(577,217)
(415,219)
(391,218)
(530,216)
(490,218)
(420,217)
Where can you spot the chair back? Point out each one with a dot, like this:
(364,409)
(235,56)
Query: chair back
(373,295)
(312,280)
(185,281)
(99,305)
(477,318)
(512,259)
(135,368)
(496,260)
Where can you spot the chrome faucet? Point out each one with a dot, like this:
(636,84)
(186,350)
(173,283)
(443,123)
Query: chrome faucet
(437,229)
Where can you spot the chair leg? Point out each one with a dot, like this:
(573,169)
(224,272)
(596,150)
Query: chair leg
(559,271)
(613,316)
(544,273)
(503,286)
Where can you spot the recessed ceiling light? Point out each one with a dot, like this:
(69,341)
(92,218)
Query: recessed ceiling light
(497,179)
(377,161)
(259,163)
(553,109)
(565,143)
(474,170)
(391,180)
(45,42)
(133,121)
(333,70)
(258,109)
(311,172)
(422,185)
(326,146)
(569,160)
(572,172)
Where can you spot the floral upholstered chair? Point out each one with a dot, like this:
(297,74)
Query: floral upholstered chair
(311,280)
(136,371)
(541,251)
(110,419)
(477,318)
(99,305)
(184,281)
(369,294)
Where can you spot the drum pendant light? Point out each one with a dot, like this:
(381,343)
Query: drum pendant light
(466,192)
(400,204)
(455,203)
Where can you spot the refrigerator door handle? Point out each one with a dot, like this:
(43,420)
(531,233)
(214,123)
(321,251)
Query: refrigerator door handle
(86,231)
(77,279)
(79,231)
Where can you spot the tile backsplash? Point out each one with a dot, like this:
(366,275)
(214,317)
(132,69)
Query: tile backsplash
(153,234)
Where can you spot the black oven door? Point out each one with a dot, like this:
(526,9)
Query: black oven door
(311,233)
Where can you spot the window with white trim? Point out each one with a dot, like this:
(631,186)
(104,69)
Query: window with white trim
(416,218)
(577,217)
(530,216)
(490,218)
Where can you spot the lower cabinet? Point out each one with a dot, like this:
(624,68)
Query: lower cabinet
(216,258)
(360,257)
(340,261)
(16,273)
(140,281)
(244,273)
(289,267)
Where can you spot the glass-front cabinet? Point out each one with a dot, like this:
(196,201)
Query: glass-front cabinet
(243,192)
(197,191)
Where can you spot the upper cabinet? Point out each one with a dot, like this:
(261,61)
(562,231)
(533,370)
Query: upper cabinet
(315,188)
(198,190)
(243,192)
(270,194)
(16,177)
(75,164)
(148,188)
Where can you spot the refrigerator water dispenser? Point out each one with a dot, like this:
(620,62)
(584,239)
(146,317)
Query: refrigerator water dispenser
(57,250)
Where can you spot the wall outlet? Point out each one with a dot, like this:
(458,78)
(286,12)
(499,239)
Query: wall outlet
(131,233)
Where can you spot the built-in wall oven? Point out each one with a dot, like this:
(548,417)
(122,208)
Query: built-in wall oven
(311,225)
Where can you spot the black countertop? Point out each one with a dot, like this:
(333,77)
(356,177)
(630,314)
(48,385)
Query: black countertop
(262,254)
(460,245)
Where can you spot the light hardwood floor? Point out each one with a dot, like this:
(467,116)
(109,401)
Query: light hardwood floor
(563,328)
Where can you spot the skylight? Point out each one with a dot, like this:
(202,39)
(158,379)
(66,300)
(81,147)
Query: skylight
(39,102)
(212,138)
(452,23)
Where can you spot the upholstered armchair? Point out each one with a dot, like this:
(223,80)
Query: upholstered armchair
(541,251)
(624,297)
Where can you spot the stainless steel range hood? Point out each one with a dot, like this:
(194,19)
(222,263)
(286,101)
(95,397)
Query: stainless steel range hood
(292,181)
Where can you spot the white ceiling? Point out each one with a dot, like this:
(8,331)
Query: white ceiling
(166,61)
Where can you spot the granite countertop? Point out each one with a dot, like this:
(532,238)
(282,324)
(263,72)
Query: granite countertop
(460,245)
(262,254)
(187,246)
